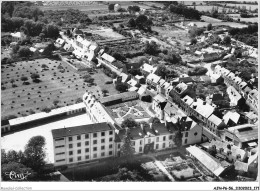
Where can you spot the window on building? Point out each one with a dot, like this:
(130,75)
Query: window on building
(60,146)
(164,138)
(95,135)
(79,158)
(140,149)
(133,143)
(157,139)
(94,142)
(110,153)
(94,148)
(118,146)
(62,153)
(79,151)
(78,137)
(157,146)
(102,140)
(70,152)
(71,160)
(86,136)
(185,141)
(103,154)
(95,156)
(60,160)
(70,146)
(110,132)
(86,150)
(60,139)
(110,139)
(110,146)
(141,142)
(186,134)
(181,134)
(79,144)
(163,146)
(170,137)
(70,138)
(195,134)
(102,147)
(102,134)
(87,157)
(86,143)
(149,140)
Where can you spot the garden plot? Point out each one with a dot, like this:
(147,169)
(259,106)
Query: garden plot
(128,110)
(63,85)
(107,33)
(181,169)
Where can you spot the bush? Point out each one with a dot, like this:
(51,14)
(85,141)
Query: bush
(108,82)
(46,109)
(197,71)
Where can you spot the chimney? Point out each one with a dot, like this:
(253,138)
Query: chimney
(204,103)
(151,124)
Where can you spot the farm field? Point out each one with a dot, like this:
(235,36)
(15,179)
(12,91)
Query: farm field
(210,19)
(253,7)
(101,7)
(82,7)
(65,87)
(253,19)
(230,24)
(209,8)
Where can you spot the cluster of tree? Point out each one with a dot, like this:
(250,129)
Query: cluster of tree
(109,72)
(187,12)
(244,68)
(29,27)
(65,17)
(24,9)
(172,57)
(120,30)
(248,35)
(197,71)
(130,123)
(165,72)
(31,160)
(87,78)
(194,32)
(133,9)
(142,22)
(114,17)
(121,87)
(151,48)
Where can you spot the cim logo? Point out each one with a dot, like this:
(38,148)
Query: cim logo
(17,176)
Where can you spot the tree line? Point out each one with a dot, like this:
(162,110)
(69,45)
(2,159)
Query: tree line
(187,12)
(31,160)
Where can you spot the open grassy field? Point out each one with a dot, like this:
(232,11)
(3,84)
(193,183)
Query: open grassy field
(253,19)
(65,87)
(230,24)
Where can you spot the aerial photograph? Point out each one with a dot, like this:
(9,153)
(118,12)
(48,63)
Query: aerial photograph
(129,91)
